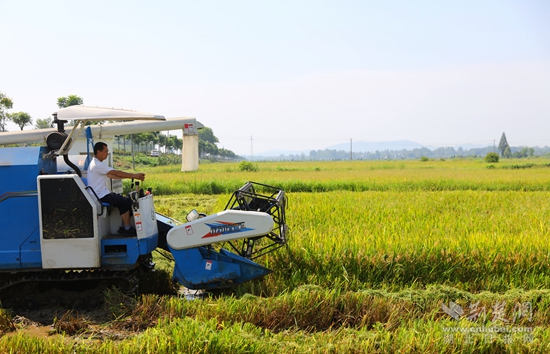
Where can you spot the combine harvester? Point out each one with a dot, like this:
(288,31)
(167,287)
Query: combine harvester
(57,236)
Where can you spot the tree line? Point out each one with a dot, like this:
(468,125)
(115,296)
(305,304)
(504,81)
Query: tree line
(23,119)
(145,142)
(505,150)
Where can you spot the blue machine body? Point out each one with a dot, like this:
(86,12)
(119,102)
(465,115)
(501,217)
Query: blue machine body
(126,250)
(28,202)
(203,268)
(20,240)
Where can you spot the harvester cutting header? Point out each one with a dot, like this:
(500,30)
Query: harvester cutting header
(56,233)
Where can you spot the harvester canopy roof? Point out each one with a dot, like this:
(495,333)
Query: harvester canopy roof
(86,113)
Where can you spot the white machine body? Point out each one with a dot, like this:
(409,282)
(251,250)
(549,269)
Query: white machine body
(145,217)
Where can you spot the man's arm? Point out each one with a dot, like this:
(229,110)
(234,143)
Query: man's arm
(116,174)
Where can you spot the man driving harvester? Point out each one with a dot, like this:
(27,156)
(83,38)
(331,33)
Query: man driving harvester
(98,172)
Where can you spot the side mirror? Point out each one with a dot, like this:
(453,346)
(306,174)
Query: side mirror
(192,215)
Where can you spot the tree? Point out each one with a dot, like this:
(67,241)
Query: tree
(150,139)
(507,152)
(503,144)
(207,148)
(206,134)
(5,104)
(170,142)
(138,139)
(227,153)
(43,123)
(524,152)
(313,155)
(207,142)
(491,157)
(207,145)
(21,119)
(146,140)
(178,143)
(71,100)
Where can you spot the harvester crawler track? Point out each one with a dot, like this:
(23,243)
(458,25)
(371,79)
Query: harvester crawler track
(79,289)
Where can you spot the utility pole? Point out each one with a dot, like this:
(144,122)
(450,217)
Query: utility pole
(251,149)
(350,150)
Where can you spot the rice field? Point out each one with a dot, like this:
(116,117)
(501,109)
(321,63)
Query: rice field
(383,256)
(406,176)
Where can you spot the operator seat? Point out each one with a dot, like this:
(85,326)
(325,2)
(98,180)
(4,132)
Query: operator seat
(85,180)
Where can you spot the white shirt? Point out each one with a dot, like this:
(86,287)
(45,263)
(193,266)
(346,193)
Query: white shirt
(97,177)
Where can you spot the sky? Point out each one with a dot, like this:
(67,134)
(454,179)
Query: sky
(292,75)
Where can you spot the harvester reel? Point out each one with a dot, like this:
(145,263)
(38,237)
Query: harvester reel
(271,200)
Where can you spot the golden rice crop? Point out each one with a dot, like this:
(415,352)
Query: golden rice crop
(474,240)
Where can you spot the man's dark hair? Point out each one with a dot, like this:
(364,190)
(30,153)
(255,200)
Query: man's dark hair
(99,146)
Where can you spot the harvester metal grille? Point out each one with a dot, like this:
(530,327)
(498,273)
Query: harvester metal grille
(66,213)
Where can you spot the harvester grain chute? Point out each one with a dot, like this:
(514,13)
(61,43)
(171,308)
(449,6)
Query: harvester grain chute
(56,235)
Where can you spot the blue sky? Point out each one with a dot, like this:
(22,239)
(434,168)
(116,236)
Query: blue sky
(292,75)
